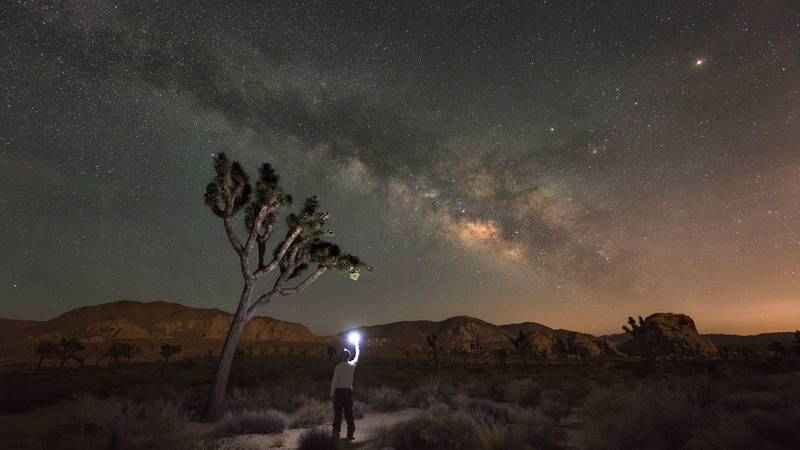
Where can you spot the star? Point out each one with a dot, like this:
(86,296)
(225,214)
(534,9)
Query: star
(699,62)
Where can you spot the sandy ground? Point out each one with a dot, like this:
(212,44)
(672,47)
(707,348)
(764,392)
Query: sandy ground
(368,429)
(20,431)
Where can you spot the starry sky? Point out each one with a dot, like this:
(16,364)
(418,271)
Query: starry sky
(565,162)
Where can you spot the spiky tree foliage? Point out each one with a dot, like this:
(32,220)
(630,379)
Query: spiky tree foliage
(635,329)
(167,351)
(302,247)
(522,344)
(121,350)
(45,350)
(432,344)
(68,349)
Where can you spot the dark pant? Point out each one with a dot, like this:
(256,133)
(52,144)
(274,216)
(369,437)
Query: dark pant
(343,400)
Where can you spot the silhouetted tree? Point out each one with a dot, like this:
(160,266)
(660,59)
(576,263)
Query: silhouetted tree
(777,348)
(796,342)
(68,349)
(501,354)
(522,344)
(228,193)
(167,351)
(45,350)
(432,344)
(635,329)
(475,349)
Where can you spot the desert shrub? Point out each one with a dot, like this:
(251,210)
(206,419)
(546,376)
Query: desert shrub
(487,411)
(663,416)
(499,437)
(524,392)
(443,430)
(552,405)
(253,422)
(316,439)
(384,399)
(313,412)
(117,422)
(428,393)
(247,400)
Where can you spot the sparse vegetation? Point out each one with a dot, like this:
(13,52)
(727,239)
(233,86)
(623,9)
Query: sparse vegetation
(253,421)
(317,439)
(167,351)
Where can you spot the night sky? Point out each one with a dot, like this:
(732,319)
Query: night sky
(564,162)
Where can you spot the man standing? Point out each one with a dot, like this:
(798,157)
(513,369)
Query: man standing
(342,393)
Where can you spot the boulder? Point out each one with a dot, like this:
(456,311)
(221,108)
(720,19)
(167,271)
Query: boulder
(668,334)
(585,345)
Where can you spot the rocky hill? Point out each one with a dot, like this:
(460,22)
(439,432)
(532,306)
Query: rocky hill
(153,320)
(668,334)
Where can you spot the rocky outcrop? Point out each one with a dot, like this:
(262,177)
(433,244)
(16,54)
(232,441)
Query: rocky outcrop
(585,345)
(158,320)
(668,334)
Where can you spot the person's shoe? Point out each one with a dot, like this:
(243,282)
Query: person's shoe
(335,436)
(351,437)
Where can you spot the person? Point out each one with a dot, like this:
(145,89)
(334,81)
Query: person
(342,393)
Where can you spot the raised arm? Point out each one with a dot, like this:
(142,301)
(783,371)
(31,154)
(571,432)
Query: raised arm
(354,361)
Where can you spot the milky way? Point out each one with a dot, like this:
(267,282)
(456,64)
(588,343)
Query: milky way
(565,162)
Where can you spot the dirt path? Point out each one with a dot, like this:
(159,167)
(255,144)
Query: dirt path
(367,429)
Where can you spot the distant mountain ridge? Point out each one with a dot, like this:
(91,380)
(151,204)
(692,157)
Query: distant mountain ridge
(160,320)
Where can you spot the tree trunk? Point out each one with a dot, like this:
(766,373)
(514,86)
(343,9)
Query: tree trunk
(217,396)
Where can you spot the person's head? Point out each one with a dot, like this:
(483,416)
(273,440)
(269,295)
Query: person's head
(345,355)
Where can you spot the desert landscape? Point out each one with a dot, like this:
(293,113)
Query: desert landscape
(461,383)
(399,225)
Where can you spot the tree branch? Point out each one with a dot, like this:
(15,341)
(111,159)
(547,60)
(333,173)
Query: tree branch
(305,283)
(282,251)
(251,240)
(227,219)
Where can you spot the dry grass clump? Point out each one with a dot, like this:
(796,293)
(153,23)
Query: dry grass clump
(117,422)
(313,412)
(317,439)
(253,422)
(385,399)
(442,430)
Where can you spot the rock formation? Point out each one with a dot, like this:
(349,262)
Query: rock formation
(668,334)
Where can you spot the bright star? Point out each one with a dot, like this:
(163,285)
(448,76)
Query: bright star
(699,62)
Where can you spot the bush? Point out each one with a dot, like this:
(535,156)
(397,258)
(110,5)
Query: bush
(116,422)
(316,439)
(253,422)
(384,399)
(313,412)
(663,417)
(444,430)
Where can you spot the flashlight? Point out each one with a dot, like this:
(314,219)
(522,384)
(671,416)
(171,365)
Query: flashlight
(354,338)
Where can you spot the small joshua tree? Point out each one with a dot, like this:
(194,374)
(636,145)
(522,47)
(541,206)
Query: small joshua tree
(68,349)
(432,344)
(778,349)
(167,351)
(45,350)
(230,192)
(475,350)
(635,329)
(522,344)
(501,354)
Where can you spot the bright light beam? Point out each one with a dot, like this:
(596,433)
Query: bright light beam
(354,338)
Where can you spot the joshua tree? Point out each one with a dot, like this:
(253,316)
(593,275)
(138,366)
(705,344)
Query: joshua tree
(777,348)
(228,193)
(45,350)
(68,349)
(635,328)
(167,351)
(432,344)
(475,349)
(501,354)
(522,344)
